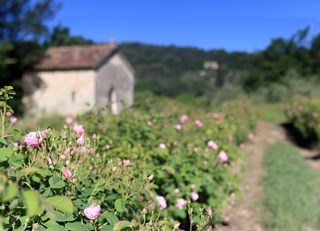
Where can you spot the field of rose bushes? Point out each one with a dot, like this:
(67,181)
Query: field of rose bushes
(158,166)
(304,114)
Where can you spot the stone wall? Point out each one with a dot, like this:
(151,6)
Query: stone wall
(60,92)
(115,82)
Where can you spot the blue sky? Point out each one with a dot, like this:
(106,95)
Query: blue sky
(234,25)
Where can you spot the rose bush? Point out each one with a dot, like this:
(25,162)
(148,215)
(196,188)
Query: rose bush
(137,170)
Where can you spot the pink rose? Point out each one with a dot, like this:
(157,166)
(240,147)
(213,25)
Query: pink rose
(162,202)
(92,212)
(213,145)
(194,196)
(162,146)
(67,173)
(223,156)
(8,113)
(78,129)
(184,118)
(33,139)
(80,140)
(177,127)
(181,203)
(198,123)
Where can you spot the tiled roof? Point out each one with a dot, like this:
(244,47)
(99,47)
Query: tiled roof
(74,57)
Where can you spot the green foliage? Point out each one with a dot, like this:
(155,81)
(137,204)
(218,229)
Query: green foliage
(291,190)
(303,113)
(49,177)
(61,37)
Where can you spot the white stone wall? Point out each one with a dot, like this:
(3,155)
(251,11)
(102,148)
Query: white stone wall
(116,74)
(60,92)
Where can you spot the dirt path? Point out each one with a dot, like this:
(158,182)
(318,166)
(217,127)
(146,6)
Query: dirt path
(243,216)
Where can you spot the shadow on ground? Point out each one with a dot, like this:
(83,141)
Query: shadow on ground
(293,135)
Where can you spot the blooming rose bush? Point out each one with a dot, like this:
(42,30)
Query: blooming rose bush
(137,170)
(304,114)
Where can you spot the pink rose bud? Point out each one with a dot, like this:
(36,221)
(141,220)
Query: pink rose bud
(13,119)
(114,169)
(177,190)
(209,211)
(67,173)
(194,196)
(120,163)
(49,160)
(69,120)
(127,162)
(149,123)
(67,162)
(97,155)
(193,186)
(78,129)
(8,113)
(35,225)
(80,140)
(250,136)
(33,139)
(162,202)
(162,146)
(92,212)
(151,206)
(94,136)
(150,177)
(176,226)
(144,211)
(223,156)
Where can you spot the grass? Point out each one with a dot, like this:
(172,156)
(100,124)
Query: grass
(291,191)
(272,112)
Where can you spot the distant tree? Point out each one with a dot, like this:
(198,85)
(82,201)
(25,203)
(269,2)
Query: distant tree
(61,37)
(22,32)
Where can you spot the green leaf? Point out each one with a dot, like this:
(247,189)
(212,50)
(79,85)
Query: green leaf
(32,202)
(56,228)
(17,160)
(3,141)
(106,228)
(63,217)
(56,182)
(10,192)
(111,218)
(28,171)
(77,226)
(120,205)
(5,153)
(62,203)
(121,225)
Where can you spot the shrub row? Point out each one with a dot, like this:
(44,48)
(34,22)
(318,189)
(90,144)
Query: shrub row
(161,165)
(304,114)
